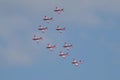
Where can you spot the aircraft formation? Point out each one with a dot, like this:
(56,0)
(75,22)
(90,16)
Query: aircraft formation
(60,29)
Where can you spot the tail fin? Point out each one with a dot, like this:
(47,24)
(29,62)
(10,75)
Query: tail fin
(65,43)
(39,25)
(80,61)
(56,7)
(64,28)
(67,53)
(54,46)
(48,44)
(41,38)
(57,26)
(34,35)
(63,10)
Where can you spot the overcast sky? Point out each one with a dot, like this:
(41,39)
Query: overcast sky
(92,26)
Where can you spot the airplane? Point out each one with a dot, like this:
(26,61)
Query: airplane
(76,63)
(67,46)
(60,29)
(47,18)
(37,39)
(42,28)
(58,10)
(50,47)
(63,55)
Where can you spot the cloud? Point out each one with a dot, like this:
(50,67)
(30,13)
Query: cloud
(17,47)
(11,23)
(83,12)
(92,12)
(18,19)
(12,36)
(13,55)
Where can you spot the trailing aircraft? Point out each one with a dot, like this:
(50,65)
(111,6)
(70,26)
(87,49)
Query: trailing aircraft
(63,55)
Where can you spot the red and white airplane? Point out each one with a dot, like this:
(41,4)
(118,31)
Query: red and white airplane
(41,28)
(58,10)
(63,55)
(47,18)
(37,39)
(67,46)
(60,29)
(50,47)
(76,63)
